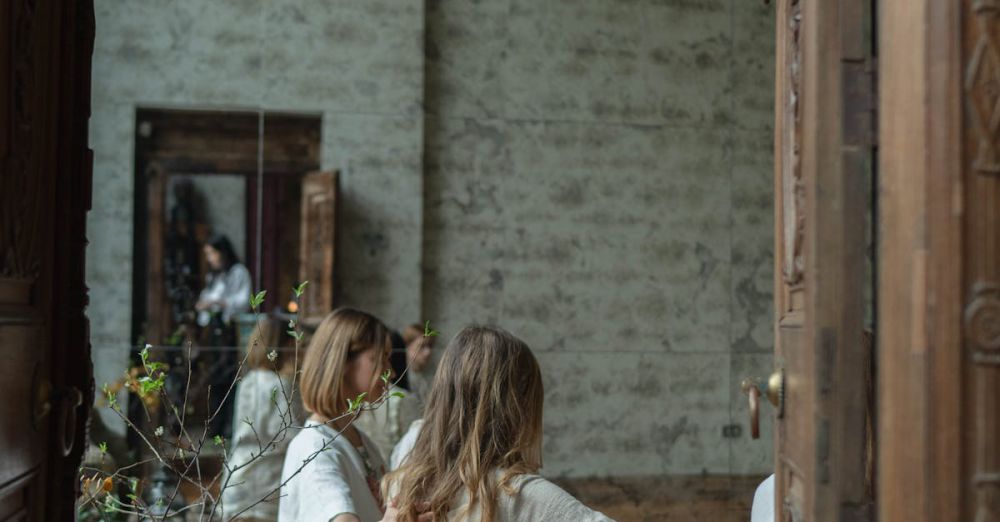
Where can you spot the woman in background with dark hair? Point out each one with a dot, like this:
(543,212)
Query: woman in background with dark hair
(226,293)
(227,285)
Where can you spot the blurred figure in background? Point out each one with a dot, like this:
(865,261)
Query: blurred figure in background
(387,424)
(265,411)
(227,284)
(226,293)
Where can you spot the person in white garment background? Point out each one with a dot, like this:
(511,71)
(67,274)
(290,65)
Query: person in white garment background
(386,424)
(226,294)
(267,413)
(227,284)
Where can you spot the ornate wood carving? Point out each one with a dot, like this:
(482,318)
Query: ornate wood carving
(982,86)
(981,184)
(982,323)
(982,327)
(793,188)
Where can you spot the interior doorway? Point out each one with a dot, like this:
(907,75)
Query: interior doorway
(204,173)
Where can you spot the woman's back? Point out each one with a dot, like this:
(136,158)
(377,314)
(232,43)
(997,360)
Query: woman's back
(534,498)
(484,414)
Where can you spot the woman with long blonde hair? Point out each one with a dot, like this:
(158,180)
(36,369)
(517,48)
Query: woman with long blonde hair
(478,451)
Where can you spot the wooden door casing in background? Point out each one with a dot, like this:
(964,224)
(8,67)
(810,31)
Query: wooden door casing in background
(318,241)
(823,147)
(45,192)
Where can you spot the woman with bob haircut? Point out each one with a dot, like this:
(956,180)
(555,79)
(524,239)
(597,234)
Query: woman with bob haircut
(332,470)
(478,451)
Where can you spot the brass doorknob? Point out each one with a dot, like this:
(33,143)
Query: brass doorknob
(774,390)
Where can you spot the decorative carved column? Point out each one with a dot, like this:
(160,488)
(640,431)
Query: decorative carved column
(981,255)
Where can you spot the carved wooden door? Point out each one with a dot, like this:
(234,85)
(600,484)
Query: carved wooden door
(939,329)
(823,152)
(318,244)
(981,260)
(45,372)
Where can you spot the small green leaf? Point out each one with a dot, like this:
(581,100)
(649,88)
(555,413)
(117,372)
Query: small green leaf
(112,399)
(103,447)
(398,395)
(257,300)
(218,441)
(295,335)
(385,376)
(274,395)
(354,404)
(149,385)
(299,290)
(428,331)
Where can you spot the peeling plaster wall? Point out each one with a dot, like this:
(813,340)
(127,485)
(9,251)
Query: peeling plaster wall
(359,64)
(599,181)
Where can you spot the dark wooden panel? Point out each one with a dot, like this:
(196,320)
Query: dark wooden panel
(227,142)
(20,374)
(44,196)
(14,497)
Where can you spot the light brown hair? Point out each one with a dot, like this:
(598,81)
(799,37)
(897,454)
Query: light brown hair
(264,338)
(341,336)
(412,333)
(484,414)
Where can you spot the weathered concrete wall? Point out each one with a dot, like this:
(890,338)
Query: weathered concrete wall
(598,181)
(359,64)
(594,175)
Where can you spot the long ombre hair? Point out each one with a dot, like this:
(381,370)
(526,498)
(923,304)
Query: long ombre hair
(483,415)
(341,336)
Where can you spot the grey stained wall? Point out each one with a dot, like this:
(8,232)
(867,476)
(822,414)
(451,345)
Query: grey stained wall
(594,175)
(359,64)
(598,180)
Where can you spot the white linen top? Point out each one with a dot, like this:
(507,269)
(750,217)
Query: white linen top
(232,288)
(334,482)
(256,481)
(405,444)
(387,423)
(763,502)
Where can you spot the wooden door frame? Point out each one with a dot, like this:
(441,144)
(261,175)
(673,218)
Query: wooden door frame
(209,141)
(819,269)
(923,447)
